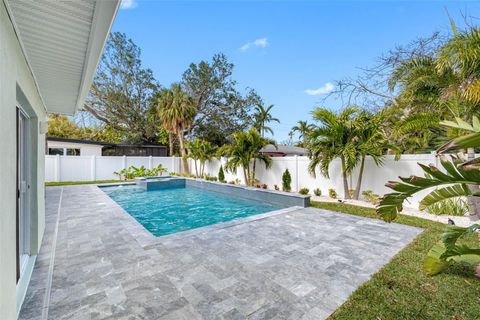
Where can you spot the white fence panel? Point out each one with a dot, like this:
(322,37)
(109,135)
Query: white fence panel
(106,166)
(166,162)
(75,168)
(138,162)
(50,164)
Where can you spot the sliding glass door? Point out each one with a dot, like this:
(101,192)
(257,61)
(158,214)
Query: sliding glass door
(23,192)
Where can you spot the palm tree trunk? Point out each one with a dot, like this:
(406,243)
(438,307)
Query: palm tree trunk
(183,152)
(170,143)
(359,181)
(345,179)
(245,175)
(474,201)
(253,170)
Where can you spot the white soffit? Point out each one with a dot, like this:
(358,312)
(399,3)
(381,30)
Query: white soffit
(63,42)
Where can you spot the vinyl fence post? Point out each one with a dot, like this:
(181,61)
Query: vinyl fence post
(296,172)
(124,162)
(173,164)
(57,168)
(150,162)
(93,169)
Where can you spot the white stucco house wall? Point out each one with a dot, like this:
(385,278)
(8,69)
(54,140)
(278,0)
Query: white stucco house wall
(74,147)
(49,51)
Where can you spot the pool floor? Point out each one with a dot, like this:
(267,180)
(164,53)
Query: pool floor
(172,210)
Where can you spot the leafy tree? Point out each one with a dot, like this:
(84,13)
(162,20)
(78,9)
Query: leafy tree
(121,91)
(176,111)
(333,138)
(221,109)
(263,116)
(244,152)
(455,180)
(62,126)
(303,128)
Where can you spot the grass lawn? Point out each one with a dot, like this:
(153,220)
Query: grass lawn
(401,290)
(68,183)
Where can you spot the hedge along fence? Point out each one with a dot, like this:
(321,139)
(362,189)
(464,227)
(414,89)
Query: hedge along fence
(90,168)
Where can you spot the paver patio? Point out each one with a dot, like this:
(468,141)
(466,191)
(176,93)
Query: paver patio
(97,262)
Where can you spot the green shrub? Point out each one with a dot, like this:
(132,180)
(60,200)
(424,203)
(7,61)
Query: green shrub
(371,197)
(286,181)
(221,174)
(209,178)
(332,193)
(317,192)
(304,191)
(451,207)
(134,172)
(351,192)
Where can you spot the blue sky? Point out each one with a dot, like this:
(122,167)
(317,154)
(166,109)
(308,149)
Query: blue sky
(288,51)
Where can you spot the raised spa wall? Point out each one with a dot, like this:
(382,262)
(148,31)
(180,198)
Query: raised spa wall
(270,196)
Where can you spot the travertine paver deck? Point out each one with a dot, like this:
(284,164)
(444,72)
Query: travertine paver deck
(301,264)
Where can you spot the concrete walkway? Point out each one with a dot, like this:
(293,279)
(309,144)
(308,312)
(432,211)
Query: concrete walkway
(97,262)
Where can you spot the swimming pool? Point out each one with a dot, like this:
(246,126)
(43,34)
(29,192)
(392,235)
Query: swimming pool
(172,210)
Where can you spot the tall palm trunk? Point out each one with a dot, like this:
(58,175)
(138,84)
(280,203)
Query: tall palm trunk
(245,175)
(183,152)
(170,143)
(345,179)
(474,201)
(359,181)
(253,171)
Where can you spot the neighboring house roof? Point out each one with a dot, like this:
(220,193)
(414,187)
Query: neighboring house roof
(80,141)
(283,150)
(62,42)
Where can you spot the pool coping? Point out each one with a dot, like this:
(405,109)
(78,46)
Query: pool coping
(146,238)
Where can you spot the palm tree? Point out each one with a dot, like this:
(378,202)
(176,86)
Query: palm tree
(200,150)
(370,140)
(244,152)
(333,138)
(262,117)
(176,111)
(303,128)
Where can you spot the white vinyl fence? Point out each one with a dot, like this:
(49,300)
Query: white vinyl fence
(89,168)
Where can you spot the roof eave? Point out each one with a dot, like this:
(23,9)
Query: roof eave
(101,26)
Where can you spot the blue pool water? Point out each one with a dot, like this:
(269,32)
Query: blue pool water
(172,210)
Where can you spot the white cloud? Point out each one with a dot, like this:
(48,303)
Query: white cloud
(262,43)
(128,4)
(327,88)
